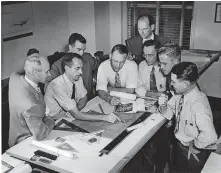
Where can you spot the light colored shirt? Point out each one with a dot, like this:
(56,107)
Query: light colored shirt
(196,120)
(106,75)
(151,38)
(33,84)
(58,95)
(144,78)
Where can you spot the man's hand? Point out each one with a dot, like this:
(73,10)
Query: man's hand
(115,101)
(162,100)
(130,56)
(111,118)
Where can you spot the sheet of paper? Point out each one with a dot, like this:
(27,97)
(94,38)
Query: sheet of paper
(213,164)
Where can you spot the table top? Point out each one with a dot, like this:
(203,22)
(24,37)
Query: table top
(112,162)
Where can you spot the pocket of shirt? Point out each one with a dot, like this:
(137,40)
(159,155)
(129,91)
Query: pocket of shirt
(190,129)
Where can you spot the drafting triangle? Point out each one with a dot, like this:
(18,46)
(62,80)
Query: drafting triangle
(66,146)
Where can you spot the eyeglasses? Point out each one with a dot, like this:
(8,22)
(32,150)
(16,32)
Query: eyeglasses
(148,55)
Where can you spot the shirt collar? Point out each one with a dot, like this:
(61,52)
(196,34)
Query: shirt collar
(151,38)
(192,94)
(33,84)
(67,81)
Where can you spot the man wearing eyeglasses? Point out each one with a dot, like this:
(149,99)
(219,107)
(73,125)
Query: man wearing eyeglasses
(151,80)
(146,27)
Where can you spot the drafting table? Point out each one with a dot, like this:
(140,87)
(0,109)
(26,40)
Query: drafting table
(112,162)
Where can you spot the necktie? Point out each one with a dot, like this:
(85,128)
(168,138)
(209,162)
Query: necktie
(153,86)
(180,106)
(73,92)
(117,80)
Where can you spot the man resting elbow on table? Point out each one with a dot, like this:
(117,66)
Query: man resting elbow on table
(66,94)
(116,74)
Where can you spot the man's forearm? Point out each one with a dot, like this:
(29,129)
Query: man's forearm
(82,102)
(87,116)
(104,95)
(124,90)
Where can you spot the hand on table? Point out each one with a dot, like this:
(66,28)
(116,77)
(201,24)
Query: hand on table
(115,101)
(112,118)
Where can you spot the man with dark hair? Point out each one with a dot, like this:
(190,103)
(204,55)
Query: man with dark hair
(26,102)
(77,44)
(194,129)
(151,79)
(116,74)
(32,52)
(145,26)
(66,94)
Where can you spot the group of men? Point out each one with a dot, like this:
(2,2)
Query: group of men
(149,65)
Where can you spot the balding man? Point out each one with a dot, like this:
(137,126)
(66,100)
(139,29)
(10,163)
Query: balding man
(146,28)
(26,102)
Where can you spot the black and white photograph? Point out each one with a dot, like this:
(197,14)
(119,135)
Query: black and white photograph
(111,86)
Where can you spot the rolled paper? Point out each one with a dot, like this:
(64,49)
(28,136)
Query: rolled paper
(23,168)
(123,95)
(53,149)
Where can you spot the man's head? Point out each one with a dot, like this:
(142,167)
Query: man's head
(77,43)
(150,48)
(37,69)
(183,76)
(169,55)
(33,52)
(72,64)
(145,26)
(118,56)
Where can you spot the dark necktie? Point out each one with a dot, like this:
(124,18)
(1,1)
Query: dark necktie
(73,92)
(180,106)
(117,80)
(153,86)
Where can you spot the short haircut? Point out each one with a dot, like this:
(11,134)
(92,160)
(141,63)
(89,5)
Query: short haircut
(32,51)
(67,59)
(147,16)
(76,37)
(154,43)
(122,49)
(172,50)
(34,63)
(186,71)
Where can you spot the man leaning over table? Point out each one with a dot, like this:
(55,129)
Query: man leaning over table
(116,74)
(194,129)
(26,102)
(66,95)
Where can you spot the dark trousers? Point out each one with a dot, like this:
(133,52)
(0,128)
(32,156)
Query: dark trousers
(157,150)
(191,165)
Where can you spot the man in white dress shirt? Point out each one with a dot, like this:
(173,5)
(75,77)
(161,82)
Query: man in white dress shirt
(66,94)
(151,79)
(194,129)
(117,74)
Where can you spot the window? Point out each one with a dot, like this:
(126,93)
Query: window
(173,19)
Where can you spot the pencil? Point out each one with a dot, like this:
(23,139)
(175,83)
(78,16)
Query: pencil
(102,111)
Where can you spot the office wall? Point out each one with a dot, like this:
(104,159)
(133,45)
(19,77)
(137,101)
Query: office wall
(102,25)
(81,20)
(205,34)
(51,31)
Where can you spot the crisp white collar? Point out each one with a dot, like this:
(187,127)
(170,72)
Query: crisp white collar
(33,84)
(151,38)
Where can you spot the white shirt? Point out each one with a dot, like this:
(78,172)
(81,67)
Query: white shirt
(151,38)
(33,84)
(58,95)
(106,75)
(144,78)
(196,120)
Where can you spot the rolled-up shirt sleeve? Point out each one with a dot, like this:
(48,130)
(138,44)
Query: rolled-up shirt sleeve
(102,81)
(61,96)
(207,134)
(133,77)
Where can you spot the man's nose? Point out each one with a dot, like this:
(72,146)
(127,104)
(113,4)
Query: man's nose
(80,71)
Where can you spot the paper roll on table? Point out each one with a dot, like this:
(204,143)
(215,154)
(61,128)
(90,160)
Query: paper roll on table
(123,95)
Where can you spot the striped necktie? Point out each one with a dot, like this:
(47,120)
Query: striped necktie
(179,109)
(153,86)
(117,80)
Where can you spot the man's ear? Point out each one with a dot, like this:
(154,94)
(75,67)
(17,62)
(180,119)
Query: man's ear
(66,67)
(176,61)
(70,47)
(110,56)
(152,27)
(186,83)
